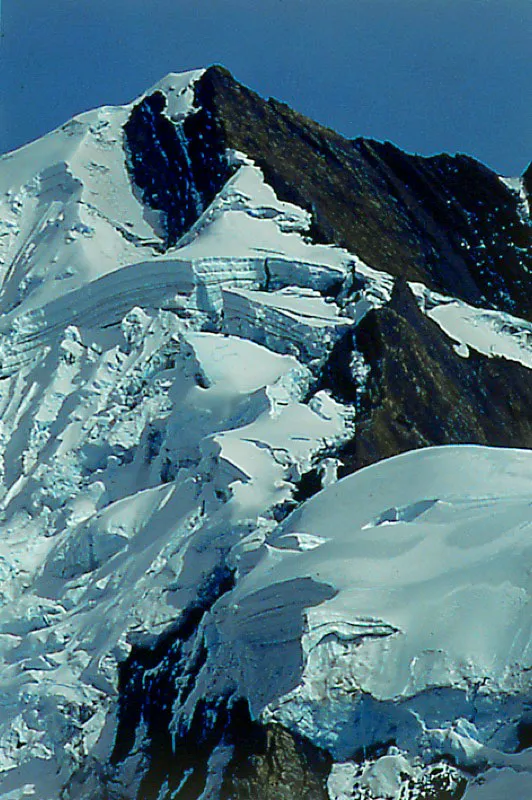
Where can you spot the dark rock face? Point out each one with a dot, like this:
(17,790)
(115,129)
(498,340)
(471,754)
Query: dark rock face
(271,763)
(465,224)
(267,762)
(178,168)
(421,393)
(446,221)
(154,680)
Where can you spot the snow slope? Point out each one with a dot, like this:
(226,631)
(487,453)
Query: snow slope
(159,408)
(425,558)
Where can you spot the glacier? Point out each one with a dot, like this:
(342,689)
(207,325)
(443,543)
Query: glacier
(161,412)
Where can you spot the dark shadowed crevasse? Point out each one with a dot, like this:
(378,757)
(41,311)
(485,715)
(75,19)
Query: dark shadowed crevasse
(420,392)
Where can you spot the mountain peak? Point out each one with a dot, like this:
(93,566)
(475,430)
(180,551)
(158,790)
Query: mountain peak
(427,219)
(213,308)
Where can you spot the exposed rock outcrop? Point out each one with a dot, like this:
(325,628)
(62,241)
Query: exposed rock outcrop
(178,167)
(420,392)
(446,221)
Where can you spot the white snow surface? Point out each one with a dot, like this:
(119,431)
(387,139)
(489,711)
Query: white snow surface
(400,594)
(178,89)
(492,333)
(156,413)
(499,784)
(517,186)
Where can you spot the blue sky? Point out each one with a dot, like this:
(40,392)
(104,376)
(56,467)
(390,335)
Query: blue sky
(429,75)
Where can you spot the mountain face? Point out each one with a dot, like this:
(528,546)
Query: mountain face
(425,219)
(452,399)
(265,469)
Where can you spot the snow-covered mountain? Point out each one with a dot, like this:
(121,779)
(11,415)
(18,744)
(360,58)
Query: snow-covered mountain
(265,487)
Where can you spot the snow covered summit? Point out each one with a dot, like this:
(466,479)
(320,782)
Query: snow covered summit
(211,310)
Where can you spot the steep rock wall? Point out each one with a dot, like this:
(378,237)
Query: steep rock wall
(446,221)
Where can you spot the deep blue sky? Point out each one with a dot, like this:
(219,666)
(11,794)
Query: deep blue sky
(430,75)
